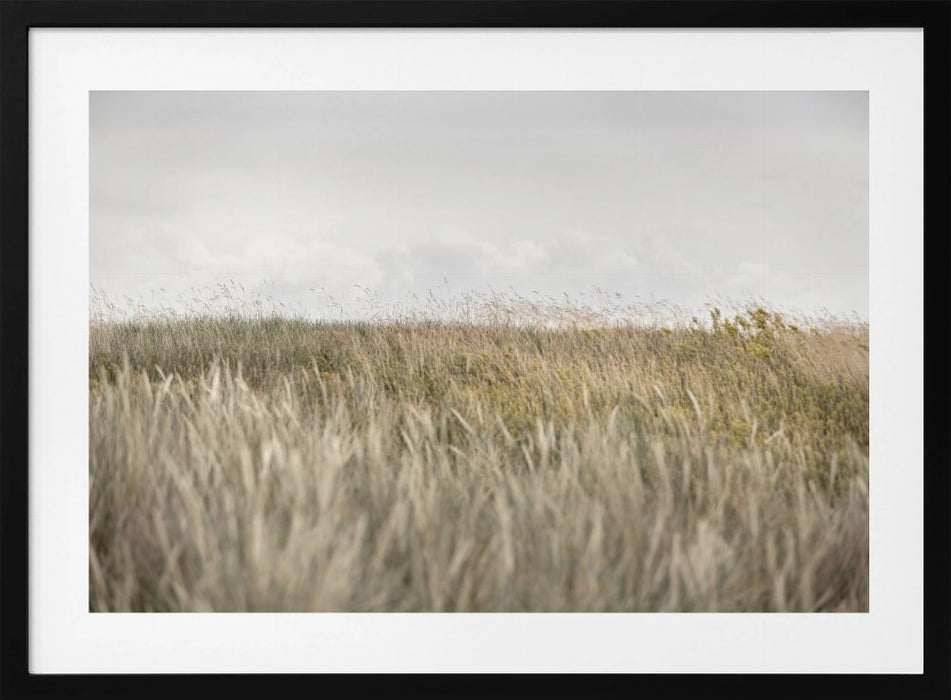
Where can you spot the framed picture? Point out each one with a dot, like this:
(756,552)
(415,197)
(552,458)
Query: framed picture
(423,346)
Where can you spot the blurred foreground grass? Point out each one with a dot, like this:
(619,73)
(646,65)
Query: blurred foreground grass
(269,464)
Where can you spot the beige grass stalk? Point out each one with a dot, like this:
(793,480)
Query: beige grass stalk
(280,465)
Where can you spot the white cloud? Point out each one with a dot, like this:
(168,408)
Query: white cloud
(678,196)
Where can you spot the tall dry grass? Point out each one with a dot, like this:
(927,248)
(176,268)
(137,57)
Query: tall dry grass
(269,464)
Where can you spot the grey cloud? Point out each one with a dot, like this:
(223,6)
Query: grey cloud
(670,195)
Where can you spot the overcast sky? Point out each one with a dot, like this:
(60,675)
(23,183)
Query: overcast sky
(679,196)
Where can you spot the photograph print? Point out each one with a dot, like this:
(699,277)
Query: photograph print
(478,351)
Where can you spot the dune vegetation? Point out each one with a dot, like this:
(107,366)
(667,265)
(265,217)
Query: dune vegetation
(272,464)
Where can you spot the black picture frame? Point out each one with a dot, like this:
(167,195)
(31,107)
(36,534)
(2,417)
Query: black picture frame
(17,17)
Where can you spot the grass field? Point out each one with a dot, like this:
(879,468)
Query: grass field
(270,464)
